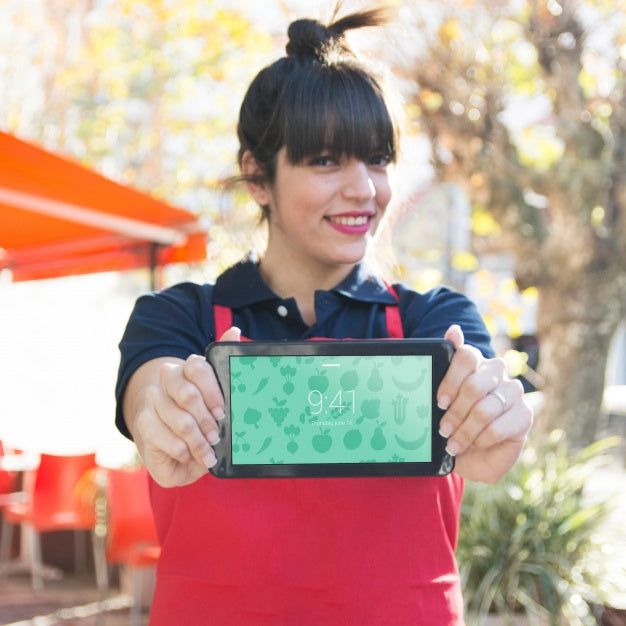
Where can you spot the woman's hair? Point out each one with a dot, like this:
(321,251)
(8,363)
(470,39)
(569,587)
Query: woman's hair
(319,97)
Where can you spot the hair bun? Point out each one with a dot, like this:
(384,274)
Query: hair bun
(308,38)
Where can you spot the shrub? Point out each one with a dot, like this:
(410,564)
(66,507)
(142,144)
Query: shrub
(530,543)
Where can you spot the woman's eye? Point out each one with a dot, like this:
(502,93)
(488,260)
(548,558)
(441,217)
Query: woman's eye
(380,160)
(323,160)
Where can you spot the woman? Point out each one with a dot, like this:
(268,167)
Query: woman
(317,143)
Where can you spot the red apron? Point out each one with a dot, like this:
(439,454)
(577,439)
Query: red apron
(308,552)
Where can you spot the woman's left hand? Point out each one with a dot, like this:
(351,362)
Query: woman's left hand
(487,419)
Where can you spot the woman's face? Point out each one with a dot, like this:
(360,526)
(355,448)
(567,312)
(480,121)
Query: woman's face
(324,210)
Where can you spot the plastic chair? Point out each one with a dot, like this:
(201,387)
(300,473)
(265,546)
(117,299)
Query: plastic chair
(51,504)
(8,479)
(129,535)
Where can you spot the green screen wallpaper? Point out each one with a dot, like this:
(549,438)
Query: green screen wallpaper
(331,409)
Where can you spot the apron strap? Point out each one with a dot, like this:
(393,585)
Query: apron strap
(392,313)
(223,319)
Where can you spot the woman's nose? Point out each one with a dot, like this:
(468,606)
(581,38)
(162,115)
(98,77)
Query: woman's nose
(358,183)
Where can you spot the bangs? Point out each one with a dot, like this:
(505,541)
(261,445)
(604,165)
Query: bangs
(340,110)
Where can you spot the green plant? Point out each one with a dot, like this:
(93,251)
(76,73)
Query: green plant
(530,543)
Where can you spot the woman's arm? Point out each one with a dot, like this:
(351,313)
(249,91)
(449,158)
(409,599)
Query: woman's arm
(487,419)
(171,407)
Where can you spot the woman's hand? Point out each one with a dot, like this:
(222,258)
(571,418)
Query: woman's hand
(487,419)
(171,408)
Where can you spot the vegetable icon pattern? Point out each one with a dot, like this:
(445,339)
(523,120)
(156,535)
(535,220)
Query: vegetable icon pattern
(353,439)
(292,432)
(412,445)
(410,385)
(322,441)
(349,380)
(379,441)
(252,416)
(296,409)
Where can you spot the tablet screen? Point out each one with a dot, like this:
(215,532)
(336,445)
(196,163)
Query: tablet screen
(330,409)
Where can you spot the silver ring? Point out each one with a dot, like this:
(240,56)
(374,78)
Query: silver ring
(497,394)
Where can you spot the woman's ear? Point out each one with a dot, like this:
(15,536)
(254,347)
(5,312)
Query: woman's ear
(255,179)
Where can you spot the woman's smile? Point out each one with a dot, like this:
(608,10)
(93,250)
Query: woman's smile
(351,223)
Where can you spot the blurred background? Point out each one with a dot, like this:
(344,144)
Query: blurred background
(511,188)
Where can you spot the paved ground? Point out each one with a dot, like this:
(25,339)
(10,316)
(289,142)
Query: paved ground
(609,482)
(72,601)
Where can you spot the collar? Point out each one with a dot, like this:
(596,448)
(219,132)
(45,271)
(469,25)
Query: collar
(242,285)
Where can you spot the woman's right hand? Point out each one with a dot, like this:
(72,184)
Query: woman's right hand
(171,408)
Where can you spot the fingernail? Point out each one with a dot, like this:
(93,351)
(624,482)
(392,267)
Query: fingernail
(213,437)
(218,413)
(209,459)
(443,403)
(453,448)
(445,429)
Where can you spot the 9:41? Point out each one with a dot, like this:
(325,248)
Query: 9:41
(342,401)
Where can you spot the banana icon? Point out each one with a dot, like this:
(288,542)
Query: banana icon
(411,385)
(412,445)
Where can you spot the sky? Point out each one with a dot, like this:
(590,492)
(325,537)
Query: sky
(58,342)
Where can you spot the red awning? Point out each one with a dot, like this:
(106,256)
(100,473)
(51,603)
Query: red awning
(59,218)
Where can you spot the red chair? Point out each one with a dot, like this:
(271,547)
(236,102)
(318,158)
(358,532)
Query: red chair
(129,535)
(8,478)
(8,485)
(51,504)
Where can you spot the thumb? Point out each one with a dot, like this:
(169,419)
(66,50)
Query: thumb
(232,334)
(454,334)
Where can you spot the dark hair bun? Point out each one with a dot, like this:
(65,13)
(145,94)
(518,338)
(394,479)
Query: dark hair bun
(308,39)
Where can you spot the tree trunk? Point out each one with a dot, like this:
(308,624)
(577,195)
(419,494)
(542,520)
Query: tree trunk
(575,326)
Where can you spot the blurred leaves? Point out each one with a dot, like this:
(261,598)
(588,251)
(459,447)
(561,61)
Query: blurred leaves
(524,105)
(539,147)
(147,92)
(531,543)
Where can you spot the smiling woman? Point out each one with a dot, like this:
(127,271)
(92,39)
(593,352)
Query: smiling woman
(317,143)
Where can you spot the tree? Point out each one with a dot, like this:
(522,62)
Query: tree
(525,105)
(146,92)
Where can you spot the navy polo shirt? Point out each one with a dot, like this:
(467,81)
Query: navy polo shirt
(178,321)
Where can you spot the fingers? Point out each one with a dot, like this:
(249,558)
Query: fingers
(512,423)
(166,456)
(497,448)
(487,421)
(483,406)
(171,432)
(465,362)
(454,334)
(473,377)
(192,404)
(182,409)
(232,334)
(204,393)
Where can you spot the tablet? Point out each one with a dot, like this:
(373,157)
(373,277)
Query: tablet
(330,408)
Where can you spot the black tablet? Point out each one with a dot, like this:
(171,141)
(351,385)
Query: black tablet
(331,408)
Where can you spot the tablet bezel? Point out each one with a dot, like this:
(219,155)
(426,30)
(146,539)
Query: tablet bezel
(218,355)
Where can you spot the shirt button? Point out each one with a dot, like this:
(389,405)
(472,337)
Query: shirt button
(282,311)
